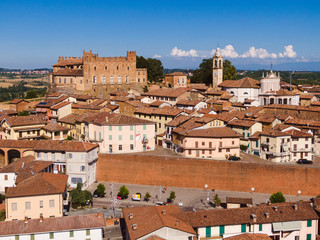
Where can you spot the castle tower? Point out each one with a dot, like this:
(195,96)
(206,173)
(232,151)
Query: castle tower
(217,69)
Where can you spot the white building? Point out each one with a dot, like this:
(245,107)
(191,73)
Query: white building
(81,227)
(265,92)
(76,159)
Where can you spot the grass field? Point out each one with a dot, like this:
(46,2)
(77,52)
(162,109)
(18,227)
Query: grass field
(8,82)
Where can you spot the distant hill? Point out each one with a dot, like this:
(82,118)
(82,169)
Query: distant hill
(290,66)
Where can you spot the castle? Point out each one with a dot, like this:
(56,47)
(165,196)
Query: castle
(96,75)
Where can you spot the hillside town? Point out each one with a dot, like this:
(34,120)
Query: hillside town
(101,122)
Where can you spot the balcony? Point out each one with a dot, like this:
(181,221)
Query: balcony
(265,144)
(277,154)
(229,146)
(301,150)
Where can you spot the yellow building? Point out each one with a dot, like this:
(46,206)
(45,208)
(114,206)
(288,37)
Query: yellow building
(43,195)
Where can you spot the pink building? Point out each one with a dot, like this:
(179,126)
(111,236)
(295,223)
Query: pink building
(217,143)
(116,133)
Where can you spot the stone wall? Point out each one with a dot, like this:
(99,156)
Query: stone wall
(195,173)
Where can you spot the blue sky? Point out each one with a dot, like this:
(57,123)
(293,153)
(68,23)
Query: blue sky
(35,33)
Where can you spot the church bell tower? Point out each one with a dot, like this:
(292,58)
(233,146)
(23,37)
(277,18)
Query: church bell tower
(217,69)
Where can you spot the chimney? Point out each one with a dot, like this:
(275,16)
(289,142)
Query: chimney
(25,219)
(131,216)
(163,212)
(177,223)
(41,218)
(267,215)
(275,208)
(99,214)
(134,227)
(295,207)
(254,217)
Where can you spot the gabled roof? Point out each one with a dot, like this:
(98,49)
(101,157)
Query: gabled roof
(165,111)
(17,100)
(116,119)
(17,165)
(60,105)
(188,102)
(215,132)
(70,119)
(176,74)
(274,133)
(39,184)
(64,146)
(71,61)
(246,82)
(170,92)
(242,123)
(54,127)
(30,169)
(234,216)
(249,236)
(56,224)
(150,219)
(178,120)
(298,134)
(16,121)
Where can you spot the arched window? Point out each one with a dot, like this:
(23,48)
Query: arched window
(232,92)
(280,101)
(128,68)
(245,93)
(94,80)
(119,79)
(87,81)
(264,101)
(220,65)
(106,68)
(272,101)
(285,101)
(127,79)
(103,80)
(95,68)
(111,80)
(215,63)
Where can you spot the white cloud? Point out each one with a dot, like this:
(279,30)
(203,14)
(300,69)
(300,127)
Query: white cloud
(157,56)
(288,53)
(228,51)
(176,52)
(258,53)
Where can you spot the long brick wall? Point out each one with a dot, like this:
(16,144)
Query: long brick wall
(195,173)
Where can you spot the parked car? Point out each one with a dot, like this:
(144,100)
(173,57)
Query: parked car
(119,198)
(234,158)
(304,161)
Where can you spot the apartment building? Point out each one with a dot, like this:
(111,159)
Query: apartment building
(117,133)
(40,195)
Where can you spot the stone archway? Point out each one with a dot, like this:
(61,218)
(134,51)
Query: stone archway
(13,155)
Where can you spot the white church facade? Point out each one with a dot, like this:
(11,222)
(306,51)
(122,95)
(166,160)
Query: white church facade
(265,92)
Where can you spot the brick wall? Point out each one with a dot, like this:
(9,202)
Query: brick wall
(195,173)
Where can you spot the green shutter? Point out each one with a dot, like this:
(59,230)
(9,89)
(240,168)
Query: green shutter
(308,236)
(51,236)
(71,234)
(120,137)
(131,137)
(110,137)
(16,237)
(309,223)
(243,228)
(144,127)
(221,230)
(131,128)
(88,232)
(260,227)
(120,128)
(208,232)
(110,128)
(257,143)
(32,237)
(99,136)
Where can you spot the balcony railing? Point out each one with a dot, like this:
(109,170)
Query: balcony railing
(301,150)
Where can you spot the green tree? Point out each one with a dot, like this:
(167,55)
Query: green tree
(23,113)
(69,138)
(154,68)
(216,200)
(277,197)
(229,71)
(31,94)
(123,192)
(147,196)
(79,197)
(318,196)
(145,89)
(101,190)
(172,196)
(204,73)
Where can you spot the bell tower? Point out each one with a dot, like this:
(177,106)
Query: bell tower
(217,69)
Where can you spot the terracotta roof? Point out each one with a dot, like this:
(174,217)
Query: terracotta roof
(30,169)
(157,218)
(16,121)
(249,236)
(82,97)
(188,102)
(298,134)
(171,92)
(256,135)
(176,74)
(242,123)
(281,92)
(165,111)
(188,125)
(303,122)
(54,127)
(178,121)
(55,94)
(60,105)
(74,61)
(17,100)
(56,224)
(99,102)
(239,200)
(155,237)
(197,86)
(116,119)
(234,216)
(68,72)
(17,143)
(86,106)
(306,96)
(157,103)
(17,165)
(136,103)
(70,119)
(64,146)
(47,103)
(39,184)
(246,82)
(212,91)
(273,133)
(215,132)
